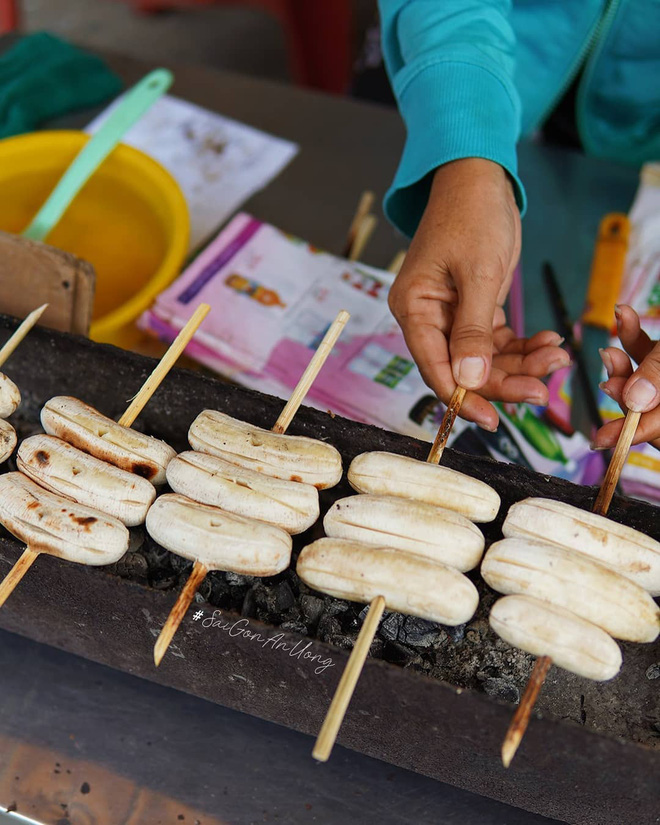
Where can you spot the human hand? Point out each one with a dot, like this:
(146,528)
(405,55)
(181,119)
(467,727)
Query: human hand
(449,294)
(637,390)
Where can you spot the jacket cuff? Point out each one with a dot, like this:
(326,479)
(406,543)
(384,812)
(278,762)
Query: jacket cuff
(452,110)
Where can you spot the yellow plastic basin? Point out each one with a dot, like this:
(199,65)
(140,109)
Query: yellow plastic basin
(130,221)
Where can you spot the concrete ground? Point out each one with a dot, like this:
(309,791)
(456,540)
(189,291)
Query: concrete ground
(225,36)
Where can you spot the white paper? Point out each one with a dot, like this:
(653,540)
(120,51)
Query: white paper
(219,163)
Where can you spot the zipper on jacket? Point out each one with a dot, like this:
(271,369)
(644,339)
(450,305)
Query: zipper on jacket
(599,28)
(604,27)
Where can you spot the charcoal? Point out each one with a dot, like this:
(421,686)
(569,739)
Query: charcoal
(163,580)
(334,607)
(489,672)
(295,627)
(376,648)
(311,607)
(238,579)
(502,689)
(328,628)
(398,654)
(391,626)
(456,634)
(249,606)
(204,590)
(418,632)
(181,565)
(293,614)
(219,587)
(133,566)
(653,672)
(283,596)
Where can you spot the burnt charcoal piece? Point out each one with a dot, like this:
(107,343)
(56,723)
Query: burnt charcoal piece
(238,579)
(181,565)
(398,654)
(311,607)
(391,626)
(133,566)
(502,689)
(653,672)
(456,634)
(329,628)
(295,627)
(419,632)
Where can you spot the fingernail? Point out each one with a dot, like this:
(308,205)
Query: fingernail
(595,446)
(488,429)
(640,395)
(471,372)
(558,364)
(536,401)
(617,313)
(605,389)
(561,340)
(607,361)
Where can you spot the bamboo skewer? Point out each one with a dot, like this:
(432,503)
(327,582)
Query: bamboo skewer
(281,425)
(149,387)
(363,208)
(349,679)
(444,430)
(309,376)
(397,262)
(20,332)
(16,573)
(521,718)
(364,232)
(197,576)
(164,366)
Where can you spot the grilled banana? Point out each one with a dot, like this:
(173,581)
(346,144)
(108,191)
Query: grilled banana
(411,526)
(547,630)
(7,440)
(92,432)
(10,396)
(621,548)
(290,457)
(69,472)
(51,524)
(216,539)
(211,480)
(390,474)
(410,584)
(576,583)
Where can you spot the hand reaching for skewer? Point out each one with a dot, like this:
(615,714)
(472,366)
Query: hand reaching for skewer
(635,389)
(449,294)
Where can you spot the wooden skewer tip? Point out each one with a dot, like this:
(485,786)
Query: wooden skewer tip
(12,579)
(362,236)
(20,332)
(521,718)
(179,610)
(312,370)
(164,366)
(445,428)
(349,679)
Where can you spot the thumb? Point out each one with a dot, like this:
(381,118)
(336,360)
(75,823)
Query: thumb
(471,341)
(642,390)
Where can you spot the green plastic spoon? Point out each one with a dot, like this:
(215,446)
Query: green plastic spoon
(130,109)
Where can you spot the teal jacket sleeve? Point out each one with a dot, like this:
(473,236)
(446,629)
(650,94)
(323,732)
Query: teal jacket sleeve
(451,66)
